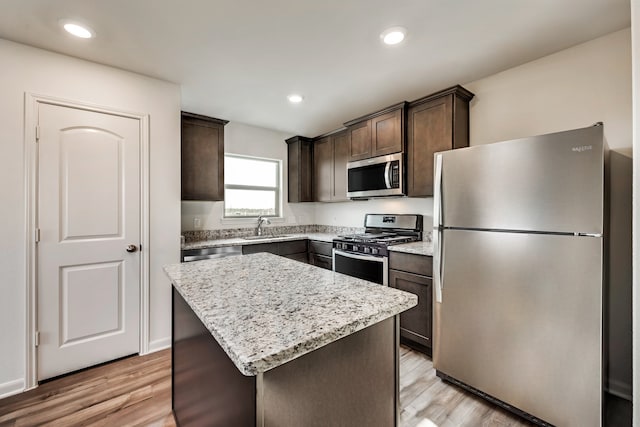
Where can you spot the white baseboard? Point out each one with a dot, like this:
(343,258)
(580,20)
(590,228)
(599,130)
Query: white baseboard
(160,344)
(11,387)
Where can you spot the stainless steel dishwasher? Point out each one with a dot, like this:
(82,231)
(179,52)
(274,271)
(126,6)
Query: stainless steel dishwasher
(188,255)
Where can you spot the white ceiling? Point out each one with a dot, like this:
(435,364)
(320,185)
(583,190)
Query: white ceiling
(238,59)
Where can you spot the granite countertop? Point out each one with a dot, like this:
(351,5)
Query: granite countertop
(419,248)
(265,310)
(324,237)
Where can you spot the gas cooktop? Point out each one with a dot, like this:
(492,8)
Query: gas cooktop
(381,230)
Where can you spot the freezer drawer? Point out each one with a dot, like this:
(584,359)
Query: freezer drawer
(521,320)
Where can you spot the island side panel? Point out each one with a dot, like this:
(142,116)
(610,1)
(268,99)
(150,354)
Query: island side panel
(353,381)
(207,387)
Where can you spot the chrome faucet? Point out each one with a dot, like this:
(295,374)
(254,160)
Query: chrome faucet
(261,220)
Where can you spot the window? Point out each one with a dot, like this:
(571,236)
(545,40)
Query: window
(251,187)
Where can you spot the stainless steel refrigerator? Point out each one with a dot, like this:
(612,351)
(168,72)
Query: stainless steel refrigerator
(519,267)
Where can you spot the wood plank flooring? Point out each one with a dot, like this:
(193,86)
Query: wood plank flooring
(136,391)
(427,401)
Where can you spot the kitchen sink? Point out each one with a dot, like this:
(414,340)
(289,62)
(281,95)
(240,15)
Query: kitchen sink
(264,237)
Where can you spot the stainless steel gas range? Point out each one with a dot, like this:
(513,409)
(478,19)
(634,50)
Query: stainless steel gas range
(366,255)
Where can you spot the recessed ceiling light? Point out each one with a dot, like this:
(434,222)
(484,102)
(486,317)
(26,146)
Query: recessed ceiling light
(294,98)
(77,29)
(393,35)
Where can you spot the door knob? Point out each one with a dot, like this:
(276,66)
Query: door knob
(132,248)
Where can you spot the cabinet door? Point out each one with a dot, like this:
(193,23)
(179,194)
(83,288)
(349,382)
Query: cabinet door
(202,158)
(302,257)
(299,165)
(292,247)
(360,145)
(415,324)
(386,133)
(323,169)
(429,131)
(340,158)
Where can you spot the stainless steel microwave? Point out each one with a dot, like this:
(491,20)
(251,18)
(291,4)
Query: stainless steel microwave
(376,177)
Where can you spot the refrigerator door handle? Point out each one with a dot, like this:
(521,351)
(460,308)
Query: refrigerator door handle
(437,229)
(438,262)
(437,193)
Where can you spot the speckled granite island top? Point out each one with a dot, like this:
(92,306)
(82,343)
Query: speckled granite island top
(265,310)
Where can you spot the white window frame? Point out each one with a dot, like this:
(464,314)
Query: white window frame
(277,190)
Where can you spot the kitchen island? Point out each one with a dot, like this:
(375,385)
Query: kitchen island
(267,341)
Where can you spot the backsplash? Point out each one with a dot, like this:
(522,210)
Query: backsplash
(230,233)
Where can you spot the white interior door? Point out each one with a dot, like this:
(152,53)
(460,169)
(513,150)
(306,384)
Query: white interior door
(88,284)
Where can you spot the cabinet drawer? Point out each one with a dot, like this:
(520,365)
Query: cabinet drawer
(412,263)
(322,248)
(293,247)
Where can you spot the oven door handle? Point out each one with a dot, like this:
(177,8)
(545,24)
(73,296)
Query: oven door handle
(381,259)
(358,256)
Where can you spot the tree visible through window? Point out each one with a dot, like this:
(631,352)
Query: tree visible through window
(251,187)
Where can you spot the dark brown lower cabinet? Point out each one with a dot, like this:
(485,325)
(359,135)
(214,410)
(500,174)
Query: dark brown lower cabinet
(321,261)
(320,254)
(302,257)
(416,323)
(294,249)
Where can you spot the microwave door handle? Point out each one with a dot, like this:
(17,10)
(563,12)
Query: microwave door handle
(387,174)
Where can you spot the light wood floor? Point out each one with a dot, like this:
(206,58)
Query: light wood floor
(427,401)
(136,391)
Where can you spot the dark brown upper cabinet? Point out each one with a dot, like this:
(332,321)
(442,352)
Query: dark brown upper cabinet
(202,156)
(300,172)
(341,143)
(330,156)
(437,122)
(377,134)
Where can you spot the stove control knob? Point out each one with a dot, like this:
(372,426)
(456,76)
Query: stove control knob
(374,251)
(366,250)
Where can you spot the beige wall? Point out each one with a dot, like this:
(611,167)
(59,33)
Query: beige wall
(573,88)
(26,69)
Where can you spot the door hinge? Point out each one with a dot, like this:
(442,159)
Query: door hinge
(36,338)
(37,133)
(37,233)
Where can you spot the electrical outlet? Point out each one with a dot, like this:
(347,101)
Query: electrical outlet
(197,223)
